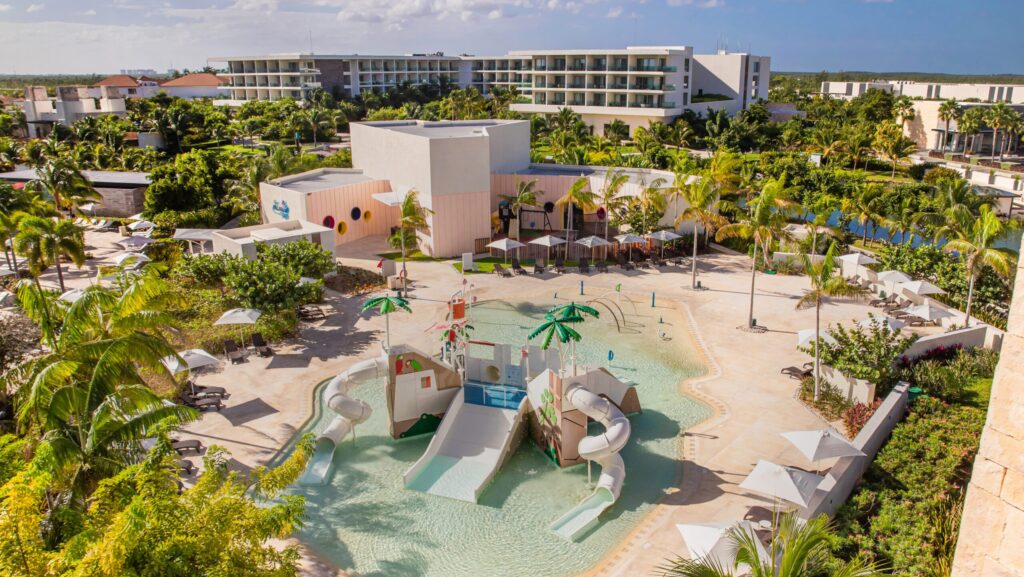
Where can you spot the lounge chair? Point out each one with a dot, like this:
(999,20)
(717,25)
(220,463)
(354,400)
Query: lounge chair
(914,320)
(890,299)
(560,266)
(261,346)
(201,391)
(501,271)
(799,373)
(310,312)
(185,466)
(201,403)
(894,307)
(516,267)
(102,224)
(601,266)
(865,284)
(584,265)
(625,264)
(657,261)
(538,268)
(187,445)
(641,262)
(232,351)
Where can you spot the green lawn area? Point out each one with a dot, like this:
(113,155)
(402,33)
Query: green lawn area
(410,256)
(238,149)
(978,392)
(486,265)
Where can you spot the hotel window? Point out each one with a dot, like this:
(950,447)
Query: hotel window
(999,95)
(757,66)
(686,65)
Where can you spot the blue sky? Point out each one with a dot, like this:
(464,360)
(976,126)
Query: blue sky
(964,36)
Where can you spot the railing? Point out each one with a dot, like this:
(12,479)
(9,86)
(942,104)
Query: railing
(577,86)
(619,68)
(577,68)
(668,68)
(598,68)
(597,86)
(618,87)
(642,87)
(647,68)
(617,104)
(668,87)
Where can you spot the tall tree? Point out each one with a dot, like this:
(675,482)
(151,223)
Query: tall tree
(864,207)
(892,145)
(998,116)
(525,195)
(578,194)
(903,111)
(609,197)
(44,241)
(949,111)
(412,218)
(701,197)
(970,125)
(61,182)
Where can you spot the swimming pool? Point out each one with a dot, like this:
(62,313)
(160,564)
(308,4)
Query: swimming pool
(365,521)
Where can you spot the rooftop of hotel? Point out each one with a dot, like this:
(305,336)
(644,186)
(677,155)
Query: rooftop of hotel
(442,129)
(321,179)
(107,178)
(271,231)
(636,175)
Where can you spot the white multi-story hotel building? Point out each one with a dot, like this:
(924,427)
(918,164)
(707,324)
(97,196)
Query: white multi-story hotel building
(637,84)
(928,90)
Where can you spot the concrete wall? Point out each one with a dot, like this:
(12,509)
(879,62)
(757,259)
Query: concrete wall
(971,337)
(844,475)
(338,204)
(992,526)
(121,202)
(274,198)
(854,390)
(375,151)
(509,147)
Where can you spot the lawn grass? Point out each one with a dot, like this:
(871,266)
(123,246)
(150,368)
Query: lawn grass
(486,265)
(410,256)
(978,392)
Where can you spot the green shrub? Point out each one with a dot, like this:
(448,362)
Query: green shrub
(303,257)
(868,353)
(831,403)
(263,284)
(206,270)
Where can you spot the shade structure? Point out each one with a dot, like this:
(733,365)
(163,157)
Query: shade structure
(135,216)
(134,257)
(922,287)
(712,542)
(663,236)
(239,317)
(806,336)
(857,259)
(893,324)
(189,360)
(592,241)
(785,483)
(928,312)
(822,444)
(134,242)
(630,239)
(505,245)
(141,225)
(72,295)
(548,241)
(893,277)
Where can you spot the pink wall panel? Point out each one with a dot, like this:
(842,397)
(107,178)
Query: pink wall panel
(458,220)
(554,187)
(338,203)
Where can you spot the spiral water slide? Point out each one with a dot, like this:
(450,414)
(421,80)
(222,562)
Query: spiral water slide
(351,412)
(603,449)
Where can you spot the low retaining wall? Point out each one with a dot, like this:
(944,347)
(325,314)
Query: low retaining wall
(796,258)
(855,390)
(844,475)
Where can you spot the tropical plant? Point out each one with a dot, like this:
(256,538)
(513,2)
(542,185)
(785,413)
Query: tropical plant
(609,197)
(652,204)
(903,110)
(857,140)
(864,207)
(412,216)
(44,241)
(60,181)
(764,224)
(949,111)
(701,196)
(825,283)
(797,549)
(556,328)
(827,139)
(243,194)
(578,194)
(616,131)
(868,351)
(970,125)
(525,196)
(975,238)
(386,305)
(892,145)
(573,313)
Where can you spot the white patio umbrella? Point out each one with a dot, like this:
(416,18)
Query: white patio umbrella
(592,242)
(189,360)
(712,542)
(928,312)
(785,483)
(821,444)
(892,323)
(804,337)
(548,241)
(134,242)
(88,207)
(630,239)
(135,217)
(922,288)
(663,236)
(505,245)
(894,277)
(72,295)
(135,257)
(141,225)
(239,317)
(856,259)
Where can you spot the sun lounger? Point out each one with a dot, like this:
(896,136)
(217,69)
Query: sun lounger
(232,351)
(642,262)
(516,267)
(625,264)
(188,445)
(891,299)
(185,466)
(657,262)
(102,224)
(913,320)
(560,266)
(538,268)
(261,346)
(584,265)
(799,373)
(601,266)
(310,312)
(201,403)
(201,391)
(501,271)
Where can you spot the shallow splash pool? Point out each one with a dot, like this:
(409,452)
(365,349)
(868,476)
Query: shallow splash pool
(365,521)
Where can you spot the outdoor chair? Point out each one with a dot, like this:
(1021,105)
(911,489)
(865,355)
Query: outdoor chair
(799,373)
(865,284)
(584,265)
(201,391)
(641,262)
(261,346)
(102,224)
(185,466)
(310,312)
(538,268)
(232,351)
(893,307)
(625,264)
(516,267)
(501,271)
(890,299)
(189,445)
(913,320)
(657,261)
(201,403)
(560,266)
(601,266)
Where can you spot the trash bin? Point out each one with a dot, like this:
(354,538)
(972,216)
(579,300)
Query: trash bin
(914,392)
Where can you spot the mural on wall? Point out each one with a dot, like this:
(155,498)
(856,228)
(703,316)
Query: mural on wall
(549,424)
(280,208)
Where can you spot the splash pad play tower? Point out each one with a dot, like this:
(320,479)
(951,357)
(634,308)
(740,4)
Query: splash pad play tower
(481,400)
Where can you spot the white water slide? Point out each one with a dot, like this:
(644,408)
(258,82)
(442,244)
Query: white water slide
(604,449)
(351,412)
(469,447)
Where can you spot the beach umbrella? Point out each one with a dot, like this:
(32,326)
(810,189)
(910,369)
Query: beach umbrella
(928,312)
(629,239)
(134,242)
(713,543)
(72,295)
(88,207)
(189,360)
(141,225)
(856,259)
(548,241)
(782,483)
(592,242)
(663,236)
(892,323)
(239,317)
(822,444)
(894,277)
(135,217)
(505,245)
(804,337)
(922,288)
(136,258)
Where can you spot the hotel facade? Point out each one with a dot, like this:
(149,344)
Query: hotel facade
(637,84)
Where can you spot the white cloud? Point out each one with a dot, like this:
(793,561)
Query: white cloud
(5,7)
(614,12)
(35,8)
(697,3)
(396,14)
(89,12)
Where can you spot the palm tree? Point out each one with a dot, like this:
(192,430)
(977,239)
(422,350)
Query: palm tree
(244,193)
(412,218)
(701,197)
(857,141)
(579,194)
(864,207)
(890,143)
(903,222)
(574,313)
(903,111)
(44,241)
(828,140)
(797,549)
(824,283)
(652,201)
(556,328)
(949,111)
(609,197)
(386,305)
(9,229)
(999,115)
(616,131)
(317,119)
(764,224)
(60,181)
(524,196)
(974,238)
(969,125)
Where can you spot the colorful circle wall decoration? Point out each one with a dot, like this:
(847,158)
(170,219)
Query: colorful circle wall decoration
(328,221)
(549,207)
(356,213)
(601,213)
(367,216)
(342,228)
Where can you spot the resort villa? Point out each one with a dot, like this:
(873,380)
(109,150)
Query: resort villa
(461,169)
(636,84)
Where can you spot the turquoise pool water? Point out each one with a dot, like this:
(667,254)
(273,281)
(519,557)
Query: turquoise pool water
(365,521)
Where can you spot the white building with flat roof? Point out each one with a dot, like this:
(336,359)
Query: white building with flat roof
(928,90)
(71,104)
(242,241)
